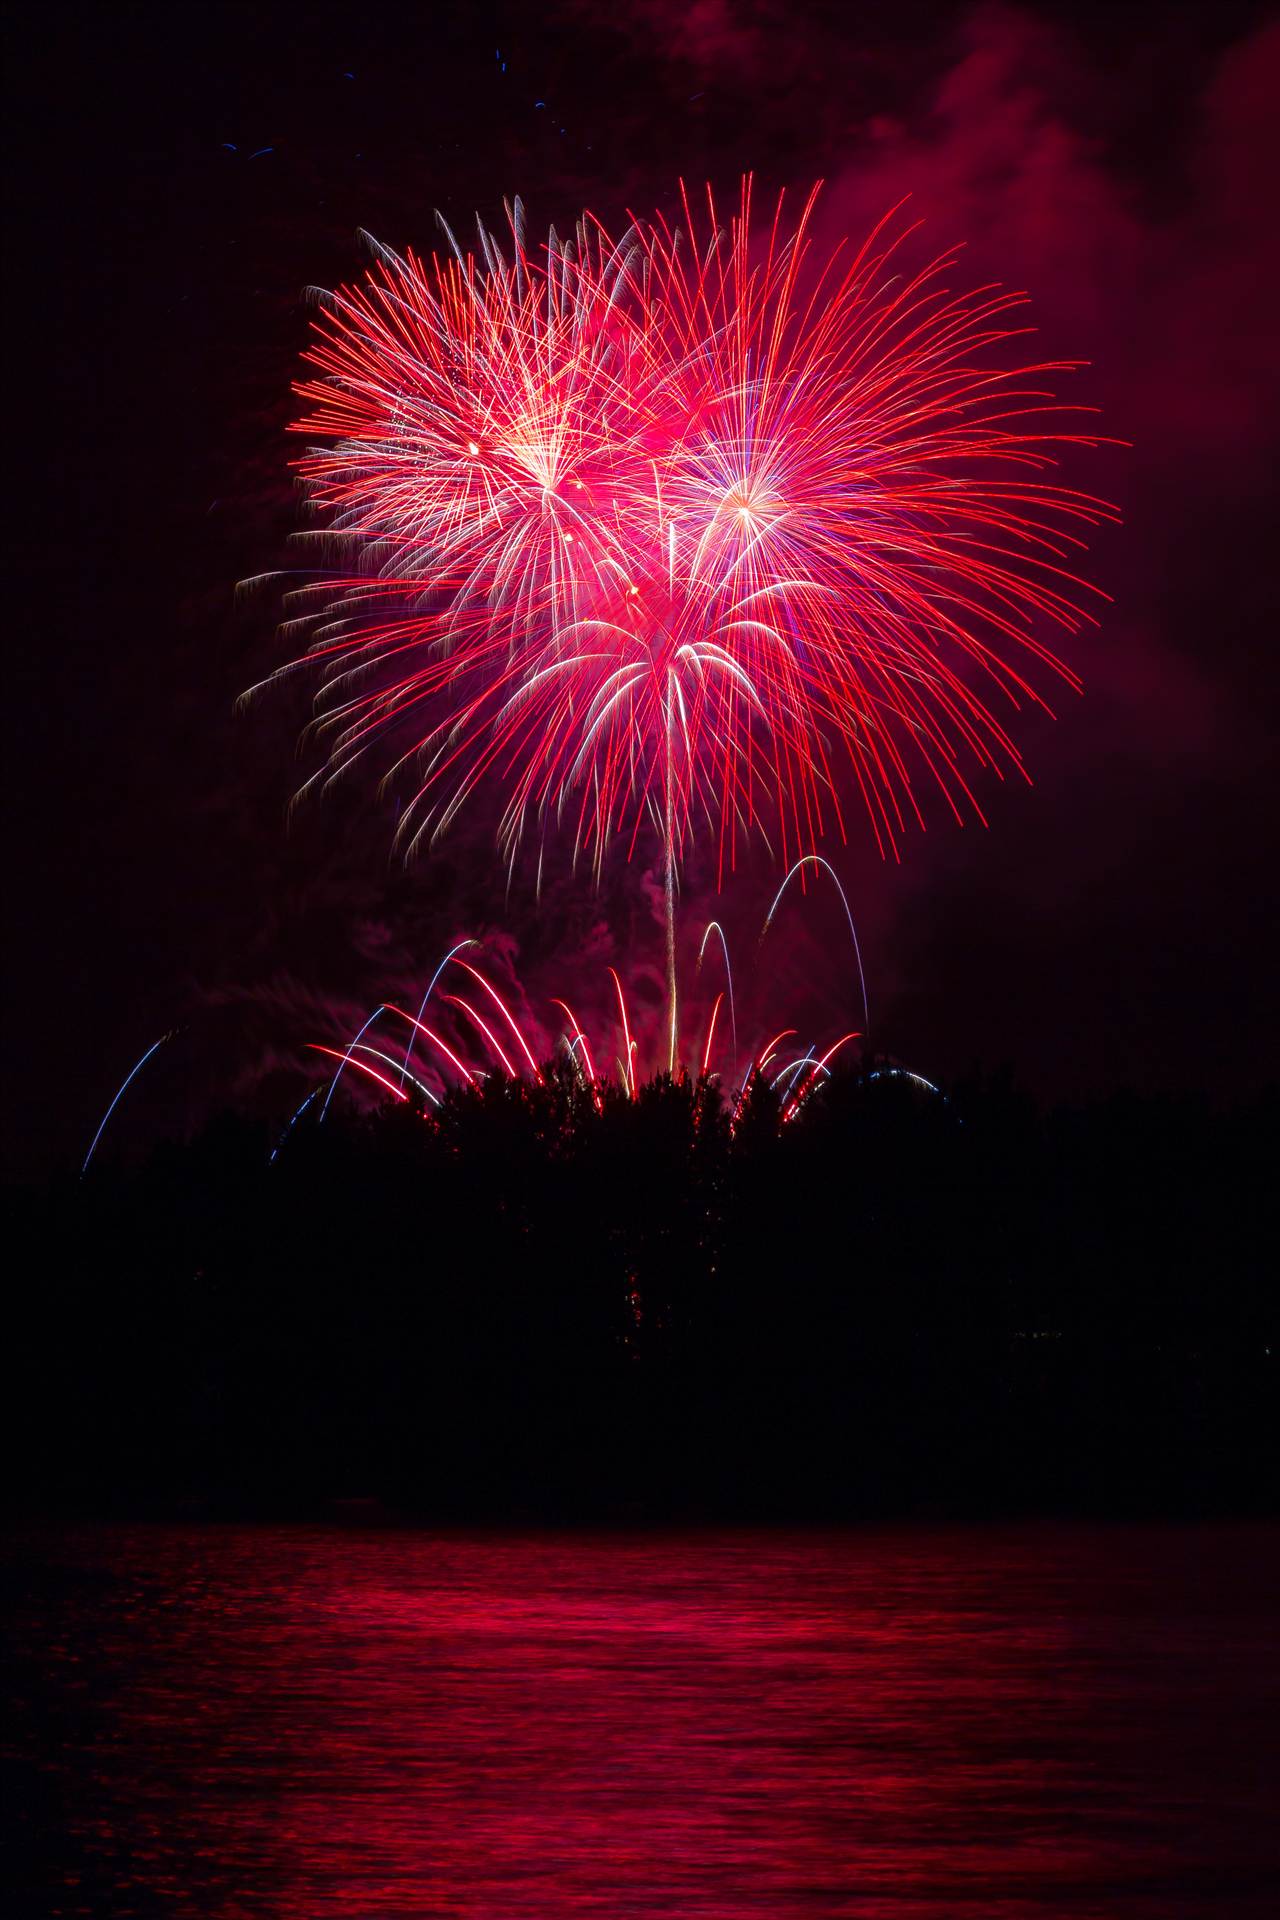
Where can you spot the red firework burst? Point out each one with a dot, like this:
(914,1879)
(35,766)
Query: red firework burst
(686,526)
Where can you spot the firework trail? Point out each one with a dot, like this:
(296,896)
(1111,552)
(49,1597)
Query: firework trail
(119,1094)
(713,926)
(461,947)
(816,860)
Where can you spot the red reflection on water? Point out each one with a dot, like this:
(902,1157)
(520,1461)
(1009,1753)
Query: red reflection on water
(313,1724)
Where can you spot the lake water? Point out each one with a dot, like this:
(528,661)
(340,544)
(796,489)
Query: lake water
(919,1722)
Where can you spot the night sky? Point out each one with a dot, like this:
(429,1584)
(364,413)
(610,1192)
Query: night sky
(178,177)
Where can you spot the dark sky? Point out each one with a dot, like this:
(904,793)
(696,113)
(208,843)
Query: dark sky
(179,175)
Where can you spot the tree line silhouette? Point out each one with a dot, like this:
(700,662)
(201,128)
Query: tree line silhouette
(539,1301)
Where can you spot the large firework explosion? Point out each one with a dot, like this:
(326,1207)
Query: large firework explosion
(657,524)
(692,526)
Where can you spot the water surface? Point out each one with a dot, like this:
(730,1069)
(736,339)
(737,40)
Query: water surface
(920,1722)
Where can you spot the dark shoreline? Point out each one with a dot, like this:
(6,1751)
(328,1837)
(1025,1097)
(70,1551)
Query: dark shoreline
(530,1311)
